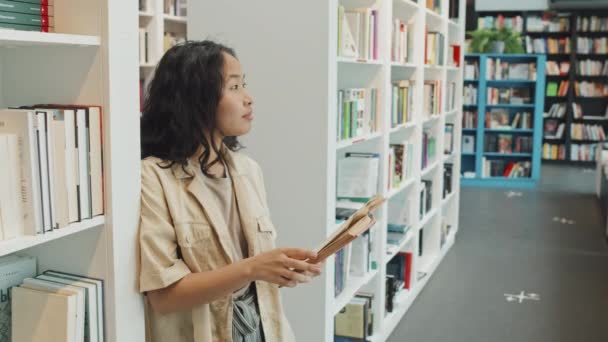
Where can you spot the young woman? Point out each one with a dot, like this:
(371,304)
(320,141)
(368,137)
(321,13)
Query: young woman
(209,267)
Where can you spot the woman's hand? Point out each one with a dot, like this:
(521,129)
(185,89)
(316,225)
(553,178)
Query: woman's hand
(283,266)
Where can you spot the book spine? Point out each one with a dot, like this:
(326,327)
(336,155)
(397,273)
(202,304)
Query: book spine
(26,8)
(42,20)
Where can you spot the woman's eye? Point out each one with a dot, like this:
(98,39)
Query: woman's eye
(244,85)
(235,87)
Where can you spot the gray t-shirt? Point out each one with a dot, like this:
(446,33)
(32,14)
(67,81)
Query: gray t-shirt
(223,193)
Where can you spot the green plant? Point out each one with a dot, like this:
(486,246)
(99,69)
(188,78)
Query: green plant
(483,39)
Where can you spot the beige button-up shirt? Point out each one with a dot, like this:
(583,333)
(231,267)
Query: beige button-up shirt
(182,230)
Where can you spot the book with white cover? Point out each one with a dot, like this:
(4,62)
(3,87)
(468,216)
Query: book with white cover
(57,132)
(348,45)
(99,293)
(13,269)
(96,163)
(71,165)
(357,177)
(47,217)
(91,328)
(40,316)
(24,124)
(84,187)
(11,213)
(68,290)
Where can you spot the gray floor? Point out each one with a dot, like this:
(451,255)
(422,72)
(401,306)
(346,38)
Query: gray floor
(507,245)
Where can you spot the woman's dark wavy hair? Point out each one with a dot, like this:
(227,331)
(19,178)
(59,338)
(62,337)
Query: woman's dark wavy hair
(182,102)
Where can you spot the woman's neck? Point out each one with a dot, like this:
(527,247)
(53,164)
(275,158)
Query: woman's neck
(217,169)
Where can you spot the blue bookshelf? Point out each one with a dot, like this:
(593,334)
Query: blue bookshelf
(498,137)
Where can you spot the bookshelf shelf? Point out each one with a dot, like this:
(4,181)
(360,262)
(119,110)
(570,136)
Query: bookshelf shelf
(359,140)
(360,61)
(355,284)
(447,198)
(14,38)
(449,158)
(175,19)
(430,168)
(431,120)
(321,74)
(508,131)
(507,155)
(403,127)
(146,15)
(404,65)
(406,184)
(508,105)
(147,65)
(21,243)
(427,218)
(393,250)
(513,81)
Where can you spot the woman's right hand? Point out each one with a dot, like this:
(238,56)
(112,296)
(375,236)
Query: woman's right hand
(283,266)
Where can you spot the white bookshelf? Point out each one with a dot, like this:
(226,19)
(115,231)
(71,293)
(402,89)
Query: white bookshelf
(91,59)
(157,22)
(294,74)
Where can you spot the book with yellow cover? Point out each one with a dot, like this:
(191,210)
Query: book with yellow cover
(355,225)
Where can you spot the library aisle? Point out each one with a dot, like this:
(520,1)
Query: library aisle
(514,241)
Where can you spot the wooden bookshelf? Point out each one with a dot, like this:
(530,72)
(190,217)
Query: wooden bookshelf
(297,144)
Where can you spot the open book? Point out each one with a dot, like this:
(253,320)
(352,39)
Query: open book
(357,224)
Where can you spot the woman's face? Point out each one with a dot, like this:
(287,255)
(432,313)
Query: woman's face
(235,112)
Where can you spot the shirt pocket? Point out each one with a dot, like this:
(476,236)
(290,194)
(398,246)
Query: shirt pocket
(266,233)
(190,234)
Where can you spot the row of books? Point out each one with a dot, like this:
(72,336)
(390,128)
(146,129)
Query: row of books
(547,45)
(357,112)
(471,70)
(33,15)
(354,260)
(515,23)
(358,175)
(434,43)
(469,94)
(170,39)
(358,33)
(398,278)
(592,45)
(401,158)
(553,129)
(557,111)
(554,151)
(431,101)
(554,68)
(446,228)
(401,215)
(590,89)
(429,148)
(507,169)
(454,51)
(53,174)
(501,70)
(553,89)
(401,102)
(469,119)
(587,132)
(588,67)
(591,24)
(355,322)
(499,118)
(583,152)
(516,95)
(52,306)
(548,23)
(403,42)
(505,143)
(176,7)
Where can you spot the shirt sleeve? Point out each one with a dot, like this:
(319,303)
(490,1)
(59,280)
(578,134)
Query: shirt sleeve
(160,265)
